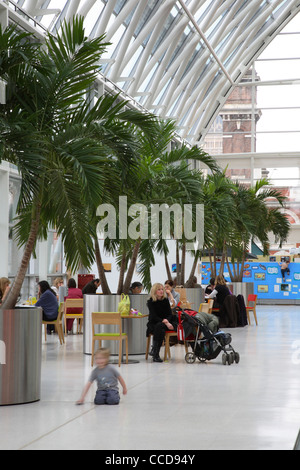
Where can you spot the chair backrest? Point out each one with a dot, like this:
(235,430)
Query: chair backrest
(210,304)
(107,318)
(184,302)
(73,303)
(182,292)
(204,308)
(252,298)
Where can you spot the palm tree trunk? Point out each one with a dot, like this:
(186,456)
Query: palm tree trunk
(169,274)
(229,269)
(104,284)
(131,267)
(178,268)
(182,270)
(189,282)
(212,266)
(223,259)
(241,271)
(122,272)
(215,260)
(14,292)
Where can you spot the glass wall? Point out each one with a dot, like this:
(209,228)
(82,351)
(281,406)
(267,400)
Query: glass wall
(257,134)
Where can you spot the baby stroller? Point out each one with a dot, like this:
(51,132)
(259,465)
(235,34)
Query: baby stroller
(208,346)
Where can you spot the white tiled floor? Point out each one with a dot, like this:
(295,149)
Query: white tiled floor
(177,406)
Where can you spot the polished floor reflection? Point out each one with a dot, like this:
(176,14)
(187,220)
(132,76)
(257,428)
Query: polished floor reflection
(174,405)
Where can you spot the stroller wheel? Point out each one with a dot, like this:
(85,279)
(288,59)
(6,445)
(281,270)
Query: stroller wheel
(236,357)
(190,357)
(227,358)
(201,359)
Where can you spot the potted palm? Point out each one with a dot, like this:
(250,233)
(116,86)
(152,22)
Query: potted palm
(238,215)
(163,177)
(254,220)
(57,138)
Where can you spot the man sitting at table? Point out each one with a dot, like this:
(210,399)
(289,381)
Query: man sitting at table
(91,287)
(136,288)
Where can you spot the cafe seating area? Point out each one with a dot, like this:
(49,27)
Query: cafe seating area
(173,405)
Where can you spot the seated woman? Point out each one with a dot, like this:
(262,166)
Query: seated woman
(73,293)
(56,285)
(173,296)
(48,301)
(220,291)
(4,288)
(210,286)
(161,318)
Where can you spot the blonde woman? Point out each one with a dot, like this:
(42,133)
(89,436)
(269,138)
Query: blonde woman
(161,318)
(56,285)
(4,288)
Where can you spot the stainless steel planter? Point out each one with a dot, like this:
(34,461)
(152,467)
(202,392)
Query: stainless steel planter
(20,355)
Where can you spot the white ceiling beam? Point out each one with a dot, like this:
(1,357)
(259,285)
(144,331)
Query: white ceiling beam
(205,40)
(117,67)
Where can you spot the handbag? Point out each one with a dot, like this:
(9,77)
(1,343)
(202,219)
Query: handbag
(124,305)
(180,330)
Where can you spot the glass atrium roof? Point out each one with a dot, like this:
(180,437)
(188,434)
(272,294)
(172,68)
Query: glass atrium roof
(177,58)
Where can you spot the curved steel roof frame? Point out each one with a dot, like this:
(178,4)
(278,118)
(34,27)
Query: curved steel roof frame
(176,58)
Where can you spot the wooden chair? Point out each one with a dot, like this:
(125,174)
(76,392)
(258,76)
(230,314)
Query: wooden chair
(57,323)
(210,305)
(167,354)
(148,345)
(184,303)
(206,306)
(108,318)
(251,306)
(168,334)
(167,344)
(73,303)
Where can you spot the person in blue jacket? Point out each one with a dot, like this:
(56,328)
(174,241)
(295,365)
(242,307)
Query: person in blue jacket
(48,301)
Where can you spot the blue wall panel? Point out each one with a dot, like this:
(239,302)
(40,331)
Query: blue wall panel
(267,279)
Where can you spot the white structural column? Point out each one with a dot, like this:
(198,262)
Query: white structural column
(4,222)
(4,184)
(43,260)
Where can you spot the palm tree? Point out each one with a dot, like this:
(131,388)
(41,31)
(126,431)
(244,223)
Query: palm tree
(165,177)
(219,211)
(161,177)
(256,220)
(123,170)
(57,139)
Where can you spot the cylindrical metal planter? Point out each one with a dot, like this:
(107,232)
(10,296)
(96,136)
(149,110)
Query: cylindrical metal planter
(243,288)
(195,296)
(20,355)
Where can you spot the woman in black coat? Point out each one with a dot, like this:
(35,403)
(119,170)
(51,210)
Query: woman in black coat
(161,318)
(220,290)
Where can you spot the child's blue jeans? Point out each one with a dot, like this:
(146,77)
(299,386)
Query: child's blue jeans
(108,397)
